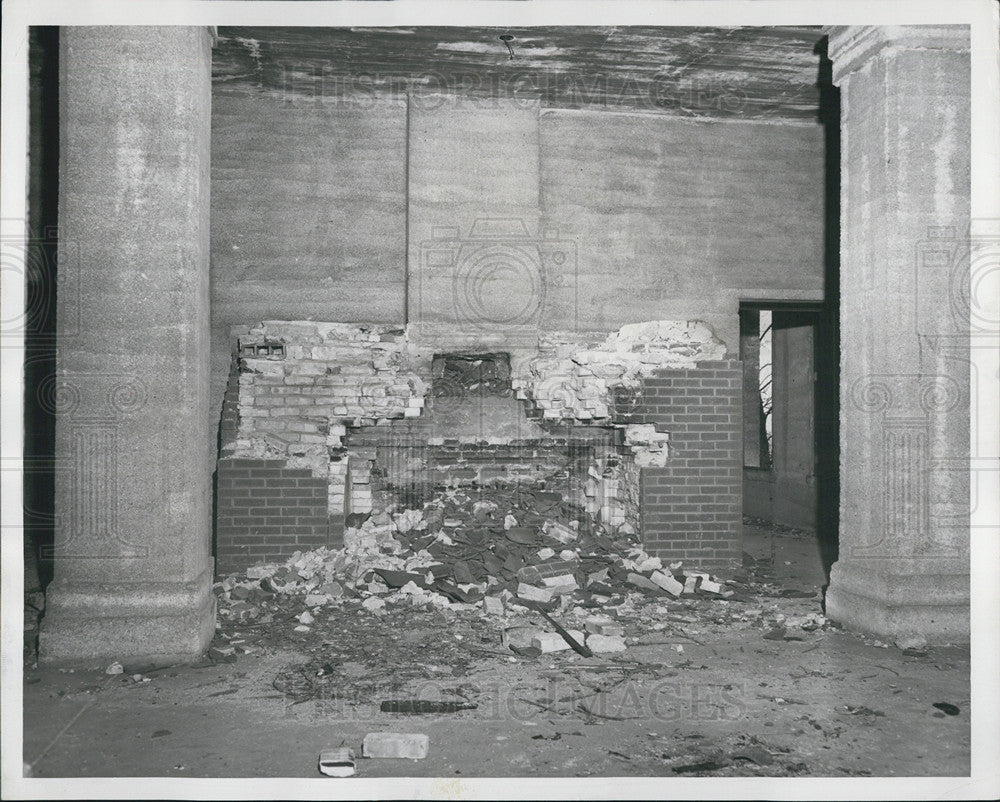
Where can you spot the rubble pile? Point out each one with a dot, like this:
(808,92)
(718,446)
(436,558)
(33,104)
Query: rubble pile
(417,599)
(500,552)
(572,378)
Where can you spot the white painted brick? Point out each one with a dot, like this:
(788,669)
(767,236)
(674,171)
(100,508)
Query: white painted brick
(604,626)
(532,593)
(667,582)
(554,642)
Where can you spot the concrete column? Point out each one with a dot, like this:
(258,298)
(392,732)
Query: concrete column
(905,126)
(133,567)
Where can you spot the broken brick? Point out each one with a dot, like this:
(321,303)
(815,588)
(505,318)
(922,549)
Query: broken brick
(554,642)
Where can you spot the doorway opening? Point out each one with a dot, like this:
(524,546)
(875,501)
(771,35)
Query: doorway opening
(790,412)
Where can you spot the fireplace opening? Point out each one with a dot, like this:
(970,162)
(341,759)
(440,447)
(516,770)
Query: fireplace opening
(470,375)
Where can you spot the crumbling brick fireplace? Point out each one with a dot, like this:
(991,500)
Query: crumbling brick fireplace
(324,422)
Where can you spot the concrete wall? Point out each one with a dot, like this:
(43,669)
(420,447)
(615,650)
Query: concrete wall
(680,219)
(308,214)
(473,206)
(647,217)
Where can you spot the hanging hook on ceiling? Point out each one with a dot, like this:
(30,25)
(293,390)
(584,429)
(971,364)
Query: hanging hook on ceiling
(506,38)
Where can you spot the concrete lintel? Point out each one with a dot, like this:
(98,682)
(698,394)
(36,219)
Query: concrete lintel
(853,46)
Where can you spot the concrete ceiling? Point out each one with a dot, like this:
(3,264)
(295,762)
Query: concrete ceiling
(747,73)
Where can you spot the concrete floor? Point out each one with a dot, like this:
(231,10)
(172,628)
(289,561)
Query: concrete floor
(728,703)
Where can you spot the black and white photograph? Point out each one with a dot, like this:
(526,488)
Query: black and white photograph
(501,399)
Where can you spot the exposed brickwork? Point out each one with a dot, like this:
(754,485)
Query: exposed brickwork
(266,511)
(229,424)
(691,509)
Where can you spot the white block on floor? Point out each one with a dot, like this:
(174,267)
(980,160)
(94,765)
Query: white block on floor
(554,642)
(492,605)
(559,584)
(396,744)
(667,582)
(604,626)
(530,592)
(520,637)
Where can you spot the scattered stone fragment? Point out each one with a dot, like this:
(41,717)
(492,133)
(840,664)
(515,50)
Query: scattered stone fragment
(520,637)
(639,581)
(606,643)
(337,762)
(911,642)
(666,582)
(114,668)
(531,593)
(395,745)
(259,571)
(553,642)
(603,625)
(493,605)
(560,531)
(650,564)
(374,604)
(560,585)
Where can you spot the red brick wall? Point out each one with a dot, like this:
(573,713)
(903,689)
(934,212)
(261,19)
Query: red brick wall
(692,509)
(266,511)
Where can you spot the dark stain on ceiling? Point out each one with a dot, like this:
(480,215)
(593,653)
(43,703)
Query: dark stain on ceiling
(743,72)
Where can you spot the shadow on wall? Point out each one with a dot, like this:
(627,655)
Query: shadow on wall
(40,318)
(827,339)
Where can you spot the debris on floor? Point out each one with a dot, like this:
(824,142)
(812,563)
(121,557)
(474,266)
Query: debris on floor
(519,567)
(680,686)
(337,762)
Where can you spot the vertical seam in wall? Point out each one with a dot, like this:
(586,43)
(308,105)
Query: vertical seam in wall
(406,214)
(538,144)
